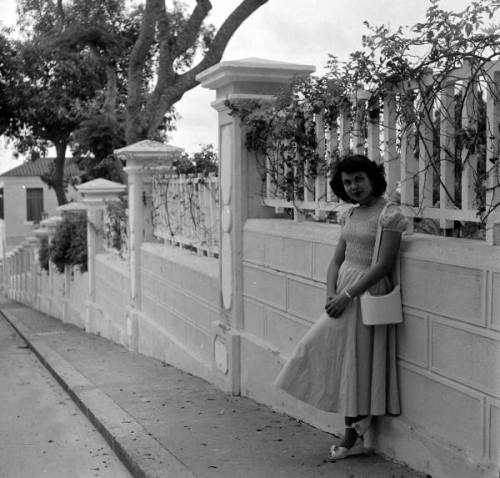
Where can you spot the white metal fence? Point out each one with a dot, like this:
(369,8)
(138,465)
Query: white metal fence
(438,139)
(186,211)
(115,229)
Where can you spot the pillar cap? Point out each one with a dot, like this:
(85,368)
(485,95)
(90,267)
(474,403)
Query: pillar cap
(51,222)
(98,190)
(32,240)
(149,150)
(252,69)
(41,232)
(71,207)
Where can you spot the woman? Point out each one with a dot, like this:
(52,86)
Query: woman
(341,365)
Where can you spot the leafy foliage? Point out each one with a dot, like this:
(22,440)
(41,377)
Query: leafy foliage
(283,134)
(203,162)
(115,226)
(413,67)
(67,82)
(69,245)
(43,255)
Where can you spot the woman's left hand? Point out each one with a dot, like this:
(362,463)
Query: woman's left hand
(336,305)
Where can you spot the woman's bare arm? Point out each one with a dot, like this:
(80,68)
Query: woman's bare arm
(333,269)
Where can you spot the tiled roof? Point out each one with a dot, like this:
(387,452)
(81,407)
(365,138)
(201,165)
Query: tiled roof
(39,167)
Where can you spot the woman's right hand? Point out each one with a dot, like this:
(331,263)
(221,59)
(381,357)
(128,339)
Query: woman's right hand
(336,305)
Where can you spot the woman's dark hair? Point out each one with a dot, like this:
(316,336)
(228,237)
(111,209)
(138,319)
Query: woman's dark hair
(355,164)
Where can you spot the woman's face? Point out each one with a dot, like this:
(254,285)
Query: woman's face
(358,187)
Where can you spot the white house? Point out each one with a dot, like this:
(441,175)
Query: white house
(25,199)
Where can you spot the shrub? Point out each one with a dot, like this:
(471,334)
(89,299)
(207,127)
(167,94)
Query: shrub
(43,254)
(69,245)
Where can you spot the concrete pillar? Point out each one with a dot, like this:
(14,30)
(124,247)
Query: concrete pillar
(24,265)
(66,211)
(95,194)
(17,274)
(9,285)
(241,186)
(143,159)
(32,283)
(40,234)
(50,224)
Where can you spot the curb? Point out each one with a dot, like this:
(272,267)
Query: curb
(137,449)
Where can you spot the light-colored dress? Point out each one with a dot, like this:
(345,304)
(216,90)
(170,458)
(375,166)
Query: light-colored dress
(341,365)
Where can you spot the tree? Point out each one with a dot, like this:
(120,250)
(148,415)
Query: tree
(118,51)
(176,38)
(48,94)
(69,88)
(202,162)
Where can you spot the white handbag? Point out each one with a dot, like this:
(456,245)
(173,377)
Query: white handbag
(387,308)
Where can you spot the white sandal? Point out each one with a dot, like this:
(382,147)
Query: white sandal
(339,452)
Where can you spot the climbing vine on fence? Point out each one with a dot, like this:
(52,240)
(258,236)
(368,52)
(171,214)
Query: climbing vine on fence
(115,226)
(283,134)
(186,211)
(414,68)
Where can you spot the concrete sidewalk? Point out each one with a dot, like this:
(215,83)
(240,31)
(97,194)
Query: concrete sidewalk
(163,422)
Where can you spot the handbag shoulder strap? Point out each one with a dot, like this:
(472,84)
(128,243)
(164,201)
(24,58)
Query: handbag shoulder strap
(395,274)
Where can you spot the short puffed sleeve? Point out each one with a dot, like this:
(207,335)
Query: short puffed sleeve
(344,213)
(393,219)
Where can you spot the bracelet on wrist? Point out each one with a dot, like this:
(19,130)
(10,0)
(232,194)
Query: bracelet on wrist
(346,293)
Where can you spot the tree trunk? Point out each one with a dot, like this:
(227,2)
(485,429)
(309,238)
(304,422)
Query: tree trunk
(143,121)
(109,106)
(59,187)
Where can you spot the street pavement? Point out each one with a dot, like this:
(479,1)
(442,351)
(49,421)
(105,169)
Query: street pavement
(162,422)
(43,434)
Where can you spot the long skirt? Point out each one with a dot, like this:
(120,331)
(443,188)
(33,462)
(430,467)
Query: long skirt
(343,366)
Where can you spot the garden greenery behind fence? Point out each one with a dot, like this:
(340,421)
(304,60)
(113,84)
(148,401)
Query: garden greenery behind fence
(433,135)
(430,119)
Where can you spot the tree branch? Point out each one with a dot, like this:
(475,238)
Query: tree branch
(186,81)
(221,39)
(171,48)
(138,58)
(192,29)
(60,13)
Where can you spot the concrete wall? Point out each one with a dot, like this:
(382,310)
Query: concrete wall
(180,304)
(112,289)
(449,344)
(77,284)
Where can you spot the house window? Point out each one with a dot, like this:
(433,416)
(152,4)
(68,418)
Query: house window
(1,204)
(34,204)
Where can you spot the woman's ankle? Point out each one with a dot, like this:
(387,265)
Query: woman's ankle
(350,437)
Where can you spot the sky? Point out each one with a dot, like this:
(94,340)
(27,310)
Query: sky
(295,31)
